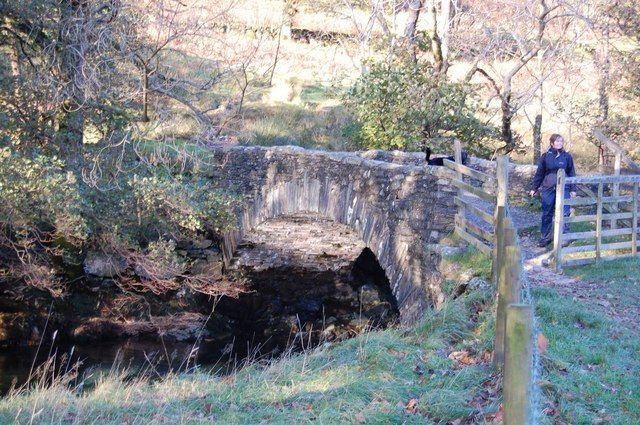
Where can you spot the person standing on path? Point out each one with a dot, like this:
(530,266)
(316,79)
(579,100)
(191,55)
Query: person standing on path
(554,159)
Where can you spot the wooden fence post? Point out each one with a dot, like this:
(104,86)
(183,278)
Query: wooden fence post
(634,221)
(461,214)
(502,176)
(616,187)
(498,243)
(502,187)
(512,282)
(558,219)
(518,365)
(508,277)
(599,221)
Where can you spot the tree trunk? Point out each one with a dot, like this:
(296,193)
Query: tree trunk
(604,66)
(436,42)
(14,58)
(71,124)
(145,95)
(537,138)
(275,59)
(603,62)
(414,14)
(537,124)
(443,29)
(506,132)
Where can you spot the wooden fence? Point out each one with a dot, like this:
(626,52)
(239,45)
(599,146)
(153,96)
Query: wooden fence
(513,346)
(608,207)
(514,339)
(472,223)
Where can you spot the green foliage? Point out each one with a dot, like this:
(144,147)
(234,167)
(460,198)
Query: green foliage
(48,214)
(180,204)
(402,106)
(39,193)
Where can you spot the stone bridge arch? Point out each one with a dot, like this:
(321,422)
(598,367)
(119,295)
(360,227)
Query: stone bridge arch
(399,210)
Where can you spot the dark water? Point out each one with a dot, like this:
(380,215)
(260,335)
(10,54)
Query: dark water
(288,309)
(83,364)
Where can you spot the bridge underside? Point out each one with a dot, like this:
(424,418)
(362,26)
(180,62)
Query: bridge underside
(311,279)
(302,240)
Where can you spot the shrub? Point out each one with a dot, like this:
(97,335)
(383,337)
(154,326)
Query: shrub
(402,106)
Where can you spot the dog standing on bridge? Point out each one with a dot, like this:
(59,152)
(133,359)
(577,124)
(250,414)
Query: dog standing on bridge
(440,161)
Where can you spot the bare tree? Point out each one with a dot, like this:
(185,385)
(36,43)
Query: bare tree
(519,46)
(166,26)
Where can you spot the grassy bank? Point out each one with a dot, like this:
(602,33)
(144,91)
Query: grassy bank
(591,371)
(438,371)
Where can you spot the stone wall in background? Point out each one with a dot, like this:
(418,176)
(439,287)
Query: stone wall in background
(520,177)
(400,208)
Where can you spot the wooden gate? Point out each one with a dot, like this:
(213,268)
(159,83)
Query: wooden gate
(608,209)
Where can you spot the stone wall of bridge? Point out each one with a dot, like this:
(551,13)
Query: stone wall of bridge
(400,210)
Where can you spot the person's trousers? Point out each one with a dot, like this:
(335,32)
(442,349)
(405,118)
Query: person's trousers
(548,210)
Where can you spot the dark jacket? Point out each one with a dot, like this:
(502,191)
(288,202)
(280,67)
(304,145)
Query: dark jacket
(550,163)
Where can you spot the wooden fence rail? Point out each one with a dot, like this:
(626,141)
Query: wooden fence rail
(620,210)
(472,223)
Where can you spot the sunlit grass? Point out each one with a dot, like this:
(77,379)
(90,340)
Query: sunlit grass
(592,365)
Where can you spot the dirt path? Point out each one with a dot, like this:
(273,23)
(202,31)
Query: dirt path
(621,306)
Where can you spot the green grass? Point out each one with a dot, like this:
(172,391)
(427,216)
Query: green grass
(315,94)
(617,280)
(329,128)
(592,365)
(473,260)
(625,271)
(593,361)
(372,377)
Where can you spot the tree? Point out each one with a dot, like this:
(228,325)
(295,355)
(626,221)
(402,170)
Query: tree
(523,46)
(401,106)
(163,25)
(74,171)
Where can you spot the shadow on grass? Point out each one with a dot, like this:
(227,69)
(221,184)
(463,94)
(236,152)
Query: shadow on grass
(328,128)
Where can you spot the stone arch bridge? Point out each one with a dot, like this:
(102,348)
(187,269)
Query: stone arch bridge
(398,206)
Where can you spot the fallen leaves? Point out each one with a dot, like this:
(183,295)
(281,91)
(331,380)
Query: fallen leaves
(411,405)
(207,407)
(543,344)
(463,357)
(396,353)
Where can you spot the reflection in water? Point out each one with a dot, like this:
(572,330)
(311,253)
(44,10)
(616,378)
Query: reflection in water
(153,358)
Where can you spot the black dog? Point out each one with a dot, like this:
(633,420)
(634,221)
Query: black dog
(440,161)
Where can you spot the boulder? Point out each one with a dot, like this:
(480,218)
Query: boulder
(369,295)
(202,244)
(14,327)
(103,265)
(98,329)
(203,267)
